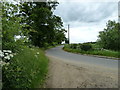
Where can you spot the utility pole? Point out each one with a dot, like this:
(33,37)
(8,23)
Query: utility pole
(68,35)
(119,12)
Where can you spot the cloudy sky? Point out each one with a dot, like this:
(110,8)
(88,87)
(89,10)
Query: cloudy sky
(86,19)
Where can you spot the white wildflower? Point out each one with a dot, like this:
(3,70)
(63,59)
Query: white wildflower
(6,53)
(38,53)
(2,54)
(9,51)
(7,57)
(4,50)
(11,55)
(0,51)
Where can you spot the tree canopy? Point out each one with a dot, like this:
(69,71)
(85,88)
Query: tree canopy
(44,25)
(110,37)
(34,22)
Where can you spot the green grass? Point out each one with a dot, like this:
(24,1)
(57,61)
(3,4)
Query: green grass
(27,69)
(105,53)
(108,53)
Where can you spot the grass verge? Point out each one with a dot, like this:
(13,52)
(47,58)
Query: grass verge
(108,53)
(27,69)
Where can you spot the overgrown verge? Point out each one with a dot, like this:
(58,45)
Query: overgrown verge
(76,48)
(27,69)
(24,25)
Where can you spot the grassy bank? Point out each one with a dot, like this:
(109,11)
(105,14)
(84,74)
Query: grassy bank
(103,52)
(27,69)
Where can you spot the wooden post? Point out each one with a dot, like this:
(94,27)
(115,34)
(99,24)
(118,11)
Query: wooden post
(68,35)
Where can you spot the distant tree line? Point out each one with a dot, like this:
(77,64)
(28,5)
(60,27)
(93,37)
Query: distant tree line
(109,39)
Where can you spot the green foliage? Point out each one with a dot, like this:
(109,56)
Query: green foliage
(86,47)
(73,46)
(46,28)
(36,25)
(94,51)
(110,37)
(60,36)
(26,70)
(11,26)
(34,22)
(66,41)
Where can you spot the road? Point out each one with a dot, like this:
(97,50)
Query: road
(92,68)
(58,52)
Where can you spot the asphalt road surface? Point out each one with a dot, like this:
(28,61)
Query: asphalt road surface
(68,70)
(91,60)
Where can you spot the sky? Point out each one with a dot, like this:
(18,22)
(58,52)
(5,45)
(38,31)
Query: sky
(86,17)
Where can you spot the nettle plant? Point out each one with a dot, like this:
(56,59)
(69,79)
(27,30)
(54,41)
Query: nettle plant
(5,55)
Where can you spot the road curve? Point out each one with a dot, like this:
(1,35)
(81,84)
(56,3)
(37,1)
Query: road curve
(68,70)
(102,62)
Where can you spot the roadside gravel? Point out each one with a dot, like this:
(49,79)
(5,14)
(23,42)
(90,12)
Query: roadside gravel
(68,74)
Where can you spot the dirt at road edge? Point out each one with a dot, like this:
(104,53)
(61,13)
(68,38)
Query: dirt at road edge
(67,75)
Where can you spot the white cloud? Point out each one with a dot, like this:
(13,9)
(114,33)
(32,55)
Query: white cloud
(84,34)
(86,19)
(85,12)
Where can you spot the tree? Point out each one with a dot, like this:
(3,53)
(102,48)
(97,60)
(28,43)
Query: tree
(59,36)
(11,26)
(44,25)
(110,37)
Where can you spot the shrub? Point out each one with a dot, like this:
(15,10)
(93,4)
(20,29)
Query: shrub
(26,69)
(86,47)
(110,37)
(73,46)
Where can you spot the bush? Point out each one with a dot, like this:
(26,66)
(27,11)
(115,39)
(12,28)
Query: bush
(110,37)
(86,47)
(27,69)
(73,46)
(13,46)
